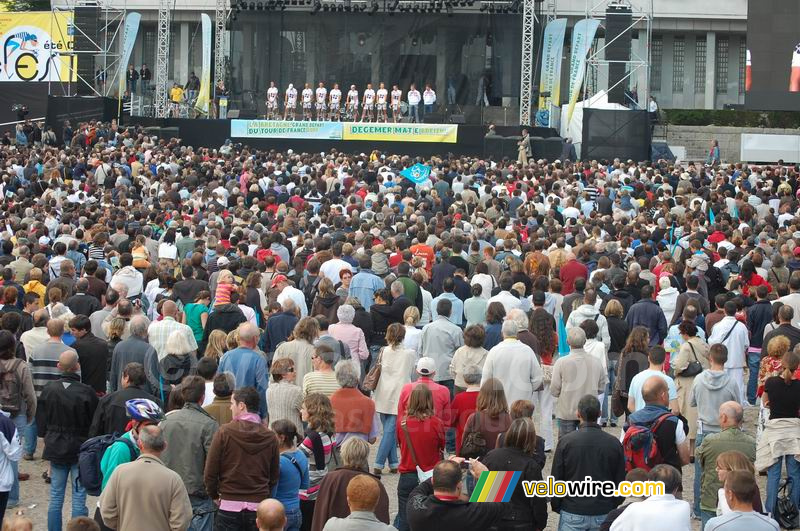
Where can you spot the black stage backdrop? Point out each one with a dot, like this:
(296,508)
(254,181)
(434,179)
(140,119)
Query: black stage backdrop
(452,53)
(33,95)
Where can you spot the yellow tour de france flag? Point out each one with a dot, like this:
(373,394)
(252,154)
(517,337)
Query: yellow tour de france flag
(33,44)
(495,486)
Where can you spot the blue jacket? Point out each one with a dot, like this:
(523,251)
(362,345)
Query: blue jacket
(249,368)
(279,326)
(649,314)
(363,286)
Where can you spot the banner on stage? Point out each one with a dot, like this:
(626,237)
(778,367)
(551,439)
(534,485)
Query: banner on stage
(582,36)
(204,96)
(550,79)
(445,133)
(36,46)
(128,41)
(280,129)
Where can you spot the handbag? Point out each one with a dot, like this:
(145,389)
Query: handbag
(694,368)
(374,375)
(473,445)
(422,475)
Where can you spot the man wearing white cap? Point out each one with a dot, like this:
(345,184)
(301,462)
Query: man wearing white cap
(426,369)
(287,291)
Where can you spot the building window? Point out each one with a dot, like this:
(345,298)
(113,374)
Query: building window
(742,64)
(678,55)
(721,70)
(700,65)
(656,54)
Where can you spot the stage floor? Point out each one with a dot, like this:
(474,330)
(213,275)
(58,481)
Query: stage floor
(470,140)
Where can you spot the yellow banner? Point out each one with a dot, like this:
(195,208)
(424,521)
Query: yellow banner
(446,133)
(33,44)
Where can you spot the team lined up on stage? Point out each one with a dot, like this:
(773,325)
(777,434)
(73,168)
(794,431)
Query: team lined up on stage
(327,104)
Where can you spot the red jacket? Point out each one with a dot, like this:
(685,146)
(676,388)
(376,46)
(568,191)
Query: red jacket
(755,281)
(459,411)
(427,437)
(569,272)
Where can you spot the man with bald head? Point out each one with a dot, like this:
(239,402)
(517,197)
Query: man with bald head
(730,438)
(159,331)
(571,271)
(270,515)
(248,366)
(671,435)
(64,414)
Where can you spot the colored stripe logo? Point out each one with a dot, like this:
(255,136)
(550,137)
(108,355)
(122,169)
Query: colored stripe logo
(495,486)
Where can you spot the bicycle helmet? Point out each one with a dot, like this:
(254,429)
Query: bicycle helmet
(140,409)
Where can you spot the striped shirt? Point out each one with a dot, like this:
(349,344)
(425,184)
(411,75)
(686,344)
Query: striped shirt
(316,475)
(44,364)
(320,382)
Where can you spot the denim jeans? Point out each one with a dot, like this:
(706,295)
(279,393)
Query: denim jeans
(387,451)
(21,422)
(294,518)
(414,113)
(450,433)
(580,522)
(203,510)
(774,481)
(698,473)
(230,521)
(31,437)
(705,516)
(612,377)
(428,109)
(407,482)
(567,426)
(753,364)
(59,475)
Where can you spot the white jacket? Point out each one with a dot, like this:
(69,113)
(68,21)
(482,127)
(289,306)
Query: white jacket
(515,364)
(11,451)
(737,341)
(665,510)
(667,299)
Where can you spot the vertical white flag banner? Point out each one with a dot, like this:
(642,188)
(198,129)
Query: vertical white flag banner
(550,78)
(582,37)
(204,97)
(128,40)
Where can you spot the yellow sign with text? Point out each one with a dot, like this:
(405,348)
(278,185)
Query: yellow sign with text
(445,133)
(36,46)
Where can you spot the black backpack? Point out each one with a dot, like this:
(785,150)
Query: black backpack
(11,389)
(310,289)
(715,282)
(90,456)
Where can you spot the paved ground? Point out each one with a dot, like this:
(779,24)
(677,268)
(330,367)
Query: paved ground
(35,492)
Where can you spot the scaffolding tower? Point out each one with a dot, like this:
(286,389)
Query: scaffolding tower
(220,20)
(160,103)
(103,48)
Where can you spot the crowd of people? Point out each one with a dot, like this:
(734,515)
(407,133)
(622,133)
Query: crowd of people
(215,338)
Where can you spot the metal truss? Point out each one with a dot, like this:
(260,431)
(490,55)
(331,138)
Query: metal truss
(221,17)
(527,62)
(161,108)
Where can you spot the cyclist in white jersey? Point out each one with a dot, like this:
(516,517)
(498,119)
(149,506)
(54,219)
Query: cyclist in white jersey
(322,97)
(307,95)
(335,99)
(369,103)
(382,96)
(397,97)
(272,101)
(290,103)
(352,103)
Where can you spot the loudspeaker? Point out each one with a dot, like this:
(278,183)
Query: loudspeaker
(87,37)
(233,113)
(609,134)
(433,118)
(618,48)
(458,119)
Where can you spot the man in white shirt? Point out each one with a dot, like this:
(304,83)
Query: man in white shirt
(307,95)
(352,103)
(428,98)
(656,357)
(331,268)
(505,297)
(287,291)
(322,97)
(413,103)
(369,103)
(335,98)
(735,336)
(272,101)
(397,96)
(665,511)
(382,96)
(290,102)
(513,363)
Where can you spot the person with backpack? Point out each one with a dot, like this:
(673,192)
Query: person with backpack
(587,451)
(101,455)
(64,414)
(654,435)
(17,400)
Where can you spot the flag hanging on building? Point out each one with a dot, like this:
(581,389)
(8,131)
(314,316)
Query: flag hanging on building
(495,486)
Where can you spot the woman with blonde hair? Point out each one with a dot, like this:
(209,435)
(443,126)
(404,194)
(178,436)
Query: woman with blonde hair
(217,344)
(318,446)
(413,334)
(397,362)
(731,461)
(284,396)
(301,347)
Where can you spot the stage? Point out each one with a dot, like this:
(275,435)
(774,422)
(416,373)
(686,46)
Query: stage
(468,140)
